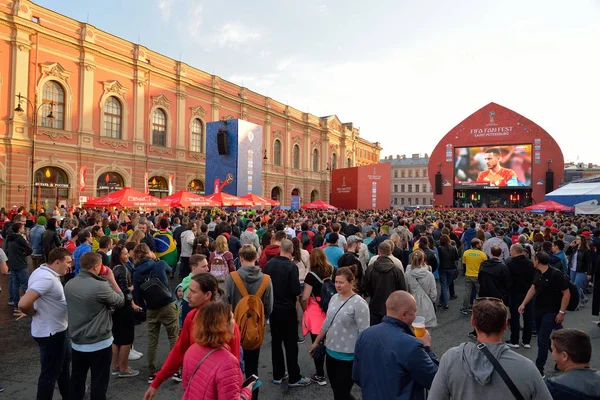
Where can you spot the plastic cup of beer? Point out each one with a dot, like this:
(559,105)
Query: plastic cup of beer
(418,326)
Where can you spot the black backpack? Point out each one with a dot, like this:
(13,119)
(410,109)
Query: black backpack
(327,292)
(305,239)
(574,301)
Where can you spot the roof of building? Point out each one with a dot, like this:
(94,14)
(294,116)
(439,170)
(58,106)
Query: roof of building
(402,161)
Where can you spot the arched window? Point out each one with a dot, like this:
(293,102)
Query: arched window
(315,161)
(276,193)
(314,196)
(108,182)
(277,153)
(296,156)
(51,187)
(159,128)
(158,187)
(334,161)
(196,186)
(196,136)
(349,162)
(53,97)
(112,117)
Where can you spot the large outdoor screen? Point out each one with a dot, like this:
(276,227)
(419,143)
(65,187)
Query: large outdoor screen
(492,166)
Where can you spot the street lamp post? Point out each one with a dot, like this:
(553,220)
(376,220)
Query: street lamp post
(19,111)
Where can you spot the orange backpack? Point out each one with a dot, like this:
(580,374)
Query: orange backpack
(250,313)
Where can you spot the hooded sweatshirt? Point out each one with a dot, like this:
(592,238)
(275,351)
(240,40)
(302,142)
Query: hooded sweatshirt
(252,278)
(467,236)
(421,284)
(270,251)
(466,373)
(381,279)
(17,250)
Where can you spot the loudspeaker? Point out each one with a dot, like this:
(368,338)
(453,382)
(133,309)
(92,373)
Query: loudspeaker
(438,183)
(549,181)
(222,142)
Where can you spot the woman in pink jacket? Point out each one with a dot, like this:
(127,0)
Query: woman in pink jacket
(210,371)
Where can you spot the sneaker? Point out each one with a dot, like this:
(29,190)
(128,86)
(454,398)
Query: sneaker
(176,377)
(464,311)
(526,346)
(129,373)
(115,371)
(133,356)
(11,303)
(584,300)
(1,388)
(440,305)
(134,351)
(301,339)
(280,381)
(151,378)
(446,307)
(534,334)
(320,380)
(472,335)
(512,345)
(301,383)
(453,297)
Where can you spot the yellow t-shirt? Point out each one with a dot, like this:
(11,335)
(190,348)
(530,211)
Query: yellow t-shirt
(473,258)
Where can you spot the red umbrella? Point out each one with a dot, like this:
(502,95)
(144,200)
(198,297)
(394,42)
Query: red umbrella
(229,200)
(257,200)
(187,199)
(318,205)
(549,206)
(127,197)
(275,203)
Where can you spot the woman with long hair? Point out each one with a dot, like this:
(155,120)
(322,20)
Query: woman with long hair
(301,258)
(220,261)
(344,328)
(211,372)
(313,316)
(421,284)
(202,245)
(123,317)
(580,264)
(136,237)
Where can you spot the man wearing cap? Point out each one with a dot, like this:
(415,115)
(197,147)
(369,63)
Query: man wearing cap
(35,237)
(350,259)
(498,240)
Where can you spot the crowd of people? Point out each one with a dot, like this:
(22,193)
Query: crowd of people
(355,281)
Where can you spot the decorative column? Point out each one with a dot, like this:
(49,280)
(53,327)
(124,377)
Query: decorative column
(139,102)
(180,107)
(21,47)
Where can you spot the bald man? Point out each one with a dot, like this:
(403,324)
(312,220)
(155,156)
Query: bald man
(407,362)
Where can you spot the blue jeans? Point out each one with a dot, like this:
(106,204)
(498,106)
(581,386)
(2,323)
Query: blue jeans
(446,276)
(545,324)
(55,360)
(18,279)
(580,280)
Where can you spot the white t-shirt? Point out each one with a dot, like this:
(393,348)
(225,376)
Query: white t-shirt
(51,308)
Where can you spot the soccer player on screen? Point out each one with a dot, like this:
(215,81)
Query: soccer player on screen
(495,174)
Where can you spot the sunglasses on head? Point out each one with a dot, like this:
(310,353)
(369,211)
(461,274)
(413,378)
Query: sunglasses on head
(495,299)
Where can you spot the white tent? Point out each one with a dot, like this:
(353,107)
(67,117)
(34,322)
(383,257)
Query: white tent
(585,197)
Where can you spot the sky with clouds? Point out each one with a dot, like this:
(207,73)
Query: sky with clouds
(404,71)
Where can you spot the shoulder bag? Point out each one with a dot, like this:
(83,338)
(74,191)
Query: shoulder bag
(198,366)
(511,385)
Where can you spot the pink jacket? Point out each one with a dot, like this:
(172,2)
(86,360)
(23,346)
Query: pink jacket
(218,378)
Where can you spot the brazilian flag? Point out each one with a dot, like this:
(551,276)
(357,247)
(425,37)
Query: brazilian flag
(166,249)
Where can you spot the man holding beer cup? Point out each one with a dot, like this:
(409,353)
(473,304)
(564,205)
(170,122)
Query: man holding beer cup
(393,346)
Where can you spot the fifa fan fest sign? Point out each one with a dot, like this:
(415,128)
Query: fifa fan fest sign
(495,150)
(366,187)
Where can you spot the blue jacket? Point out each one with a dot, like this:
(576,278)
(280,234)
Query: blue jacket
(35,236)
(391,363)
(81,249)
(467,236)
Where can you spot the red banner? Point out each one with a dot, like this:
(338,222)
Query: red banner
(82,171)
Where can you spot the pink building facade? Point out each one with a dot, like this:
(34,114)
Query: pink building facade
(124,115)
